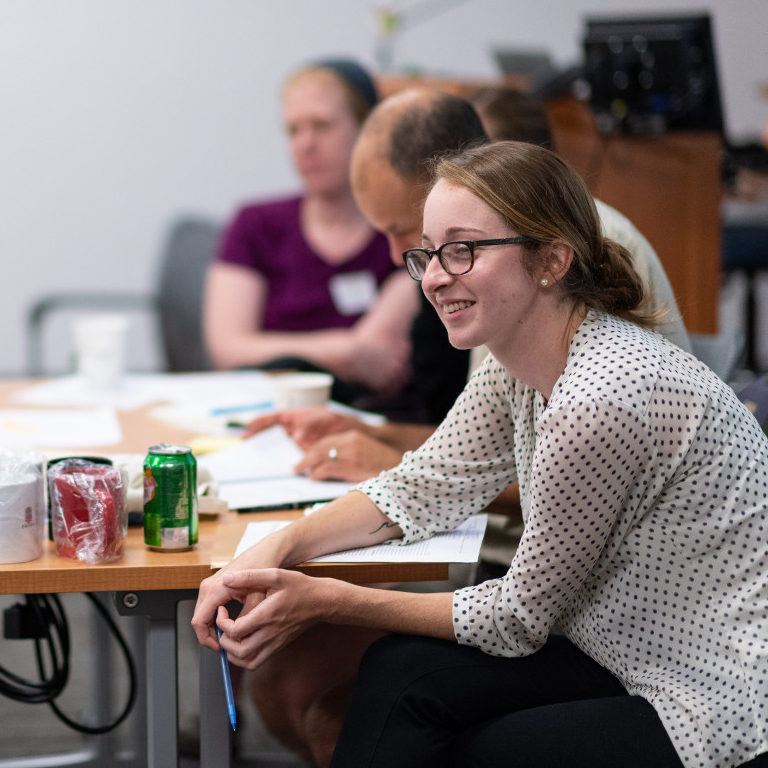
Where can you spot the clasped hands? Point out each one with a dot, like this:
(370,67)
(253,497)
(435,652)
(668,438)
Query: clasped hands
(278,605)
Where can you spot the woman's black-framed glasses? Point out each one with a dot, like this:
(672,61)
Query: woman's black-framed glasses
(456,257)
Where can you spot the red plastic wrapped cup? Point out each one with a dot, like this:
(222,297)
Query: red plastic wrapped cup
(89,513)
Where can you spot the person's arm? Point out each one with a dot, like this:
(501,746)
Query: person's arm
(391,315)
(381,356)
(435,489)
(234,303)
(401,436)
(349,522)
(350,456)
(342,447)
(578,492)
(295,602)
(278,604)
(358,519)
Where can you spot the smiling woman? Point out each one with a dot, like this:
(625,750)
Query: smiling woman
(642,485)
(562,266)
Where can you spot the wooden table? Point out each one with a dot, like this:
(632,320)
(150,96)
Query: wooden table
(151,584)
(142,569)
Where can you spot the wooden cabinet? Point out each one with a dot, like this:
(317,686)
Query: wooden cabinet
(669,185)
(389,84)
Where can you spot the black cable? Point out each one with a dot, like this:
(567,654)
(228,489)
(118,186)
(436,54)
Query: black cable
(48,613)
(99,729)
(51,617)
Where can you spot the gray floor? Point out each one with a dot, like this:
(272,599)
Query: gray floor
(30,732)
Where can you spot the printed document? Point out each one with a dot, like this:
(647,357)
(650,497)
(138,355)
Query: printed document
(461,545)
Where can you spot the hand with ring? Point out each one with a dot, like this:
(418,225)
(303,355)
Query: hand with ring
(351,456)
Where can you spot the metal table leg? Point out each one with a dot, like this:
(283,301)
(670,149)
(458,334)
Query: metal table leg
(159,608)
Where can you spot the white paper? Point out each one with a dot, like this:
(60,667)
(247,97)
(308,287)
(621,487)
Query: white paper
(258,472)
(59,429)
(268,454)
(131,392)
(461,545)
(233,391)
(280,492)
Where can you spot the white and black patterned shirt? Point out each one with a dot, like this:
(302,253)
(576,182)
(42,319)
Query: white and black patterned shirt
(644,487)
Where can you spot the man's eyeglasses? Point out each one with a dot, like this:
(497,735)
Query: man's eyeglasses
(456,257)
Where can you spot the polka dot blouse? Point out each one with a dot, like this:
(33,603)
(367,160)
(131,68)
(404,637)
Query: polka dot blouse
(644,487)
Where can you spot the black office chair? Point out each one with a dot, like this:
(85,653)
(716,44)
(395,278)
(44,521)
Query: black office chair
(188,250)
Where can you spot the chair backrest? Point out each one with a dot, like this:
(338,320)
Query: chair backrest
(189,248)
(722,352)
(53,309)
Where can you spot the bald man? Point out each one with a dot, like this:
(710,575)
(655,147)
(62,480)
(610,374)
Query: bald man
(390,179)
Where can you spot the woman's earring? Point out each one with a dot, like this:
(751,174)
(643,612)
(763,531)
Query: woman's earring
(544,281)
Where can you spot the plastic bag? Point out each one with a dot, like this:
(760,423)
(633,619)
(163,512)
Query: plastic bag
(88,510)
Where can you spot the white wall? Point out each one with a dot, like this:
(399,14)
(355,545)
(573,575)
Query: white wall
(118,115)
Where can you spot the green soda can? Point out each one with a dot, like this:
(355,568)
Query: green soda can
(170,498)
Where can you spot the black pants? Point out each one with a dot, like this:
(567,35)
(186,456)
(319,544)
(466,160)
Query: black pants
(423,703)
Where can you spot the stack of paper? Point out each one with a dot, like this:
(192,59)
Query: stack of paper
(257,473)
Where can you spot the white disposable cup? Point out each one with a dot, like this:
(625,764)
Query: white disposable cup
(99,342)
(302,390)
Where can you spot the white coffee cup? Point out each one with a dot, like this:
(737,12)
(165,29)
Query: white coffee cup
(99,342)
(301,390)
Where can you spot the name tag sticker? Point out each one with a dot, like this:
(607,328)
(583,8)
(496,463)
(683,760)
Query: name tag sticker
(353,292)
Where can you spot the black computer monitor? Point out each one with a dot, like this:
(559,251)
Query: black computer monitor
(653,74)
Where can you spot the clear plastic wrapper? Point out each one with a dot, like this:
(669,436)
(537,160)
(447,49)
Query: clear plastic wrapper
(88,510)
(22,506)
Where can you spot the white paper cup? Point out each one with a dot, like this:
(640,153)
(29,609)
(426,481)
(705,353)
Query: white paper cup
(302,390)
(99,342)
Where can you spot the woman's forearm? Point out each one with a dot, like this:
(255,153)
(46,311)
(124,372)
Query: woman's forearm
(347,523)
(374,352)
(411,613)
(234,303)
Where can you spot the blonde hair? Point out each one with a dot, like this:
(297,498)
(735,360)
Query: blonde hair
(543,199)
(358,102)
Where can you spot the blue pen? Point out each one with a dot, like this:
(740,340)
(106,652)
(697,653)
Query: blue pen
(227,681)
(223,411)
